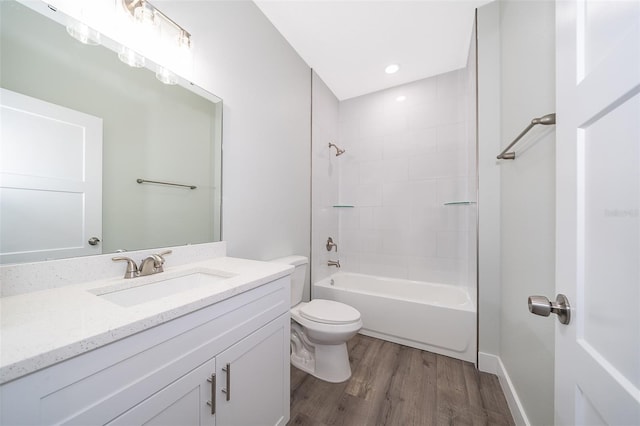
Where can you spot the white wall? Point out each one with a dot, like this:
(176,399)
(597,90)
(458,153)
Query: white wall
(265,86)
(324,179)
(528,202)
(516,84)
(403,161)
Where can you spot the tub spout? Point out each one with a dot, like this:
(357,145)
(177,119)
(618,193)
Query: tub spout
(335,263)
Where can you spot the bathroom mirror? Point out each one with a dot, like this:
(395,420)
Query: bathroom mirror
(150,131)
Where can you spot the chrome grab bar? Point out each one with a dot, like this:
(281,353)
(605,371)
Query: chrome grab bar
(544,120)
(165,183)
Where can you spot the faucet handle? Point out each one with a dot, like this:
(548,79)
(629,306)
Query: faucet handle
(159,260)
(132,268)
(164,253)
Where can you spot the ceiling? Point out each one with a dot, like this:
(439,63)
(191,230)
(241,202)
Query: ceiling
(350,42)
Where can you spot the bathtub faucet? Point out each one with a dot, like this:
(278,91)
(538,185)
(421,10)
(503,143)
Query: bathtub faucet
(335,263)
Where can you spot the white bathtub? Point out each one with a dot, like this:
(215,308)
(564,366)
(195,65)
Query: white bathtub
(438,318)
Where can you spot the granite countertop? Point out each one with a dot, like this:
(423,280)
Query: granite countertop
(42,328)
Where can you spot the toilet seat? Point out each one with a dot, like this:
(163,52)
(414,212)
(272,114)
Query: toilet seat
(329,312)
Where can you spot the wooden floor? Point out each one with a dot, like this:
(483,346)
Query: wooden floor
(396,385)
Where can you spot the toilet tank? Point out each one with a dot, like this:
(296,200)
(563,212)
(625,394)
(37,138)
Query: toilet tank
(297,277)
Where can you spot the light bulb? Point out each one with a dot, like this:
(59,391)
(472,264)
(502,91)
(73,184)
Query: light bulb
(131,58)
(184,40)
(392,68)
(166,76)
(83,33)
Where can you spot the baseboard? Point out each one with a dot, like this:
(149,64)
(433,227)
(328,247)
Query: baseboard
(493,364)
(488,363)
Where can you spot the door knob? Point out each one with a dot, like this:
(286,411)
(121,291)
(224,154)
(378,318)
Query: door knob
(540,305)
(94,241)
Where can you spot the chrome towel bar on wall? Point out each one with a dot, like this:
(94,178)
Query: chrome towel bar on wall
(166,183)
(544,120)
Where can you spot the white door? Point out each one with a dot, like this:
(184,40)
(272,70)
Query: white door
(598,211)
(50,180)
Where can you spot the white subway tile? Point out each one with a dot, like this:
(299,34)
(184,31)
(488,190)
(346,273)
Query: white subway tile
(453,244)
(372,241)
(349,218)
(422,116)
(350,175)
(452,137)
(393,217)
(369,217)
(422,141)
(384,265)
(454,189)
(422,244)
(423,192)
(397,194)
(372,172)
(395,170)
(368,195)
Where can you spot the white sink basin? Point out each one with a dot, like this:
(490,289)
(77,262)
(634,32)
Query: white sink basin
(134,293)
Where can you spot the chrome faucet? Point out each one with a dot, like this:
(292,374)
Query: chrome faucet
(152,264)
(335,263)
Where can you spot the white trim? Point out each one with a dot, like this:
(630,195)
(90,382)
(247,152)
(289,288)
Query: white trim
(490,363)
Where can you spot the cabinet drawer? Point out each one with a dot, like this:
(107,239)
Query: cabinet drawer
(97,386)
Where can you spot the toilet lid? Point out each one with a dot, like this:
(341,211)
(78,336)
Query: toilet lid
(329,312)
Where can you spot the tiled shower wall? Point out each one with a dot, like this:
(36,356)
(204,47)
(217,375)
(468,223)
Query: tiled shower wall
(409,150)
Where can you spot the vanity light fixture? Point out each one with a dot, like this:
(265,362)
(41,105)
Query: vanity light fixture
(148,15)
(392,68)
(144,14)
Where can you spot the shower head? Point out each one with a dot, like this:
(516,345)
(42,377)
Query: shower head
(338,150)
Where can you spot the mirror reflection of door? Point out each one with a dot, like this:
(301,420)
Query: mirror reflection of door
(50,162)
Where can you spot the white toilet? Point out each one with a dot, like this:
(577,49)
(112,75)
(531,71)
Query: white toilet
(319,329)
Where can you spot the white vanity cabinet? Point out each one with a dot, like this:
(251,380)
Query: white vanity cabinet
(226,364)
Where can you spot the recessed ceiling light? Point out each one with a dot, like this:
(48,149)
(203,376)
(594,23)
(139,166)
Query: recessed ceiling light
(401,98)
(393,68)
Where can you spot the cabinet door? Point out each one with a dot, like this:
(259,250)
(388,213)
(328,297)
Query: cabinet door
(253,378)
(185,402)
